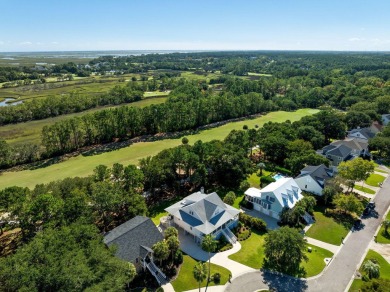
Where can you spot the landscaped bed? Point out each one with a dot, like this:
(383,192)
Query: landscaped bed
(384,270)
(327,229)
(383,237)
(186,281)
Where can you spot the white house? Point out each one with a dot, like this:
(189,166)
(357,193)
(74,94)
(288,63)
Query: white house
(273,198)
(313,178)
(200,214)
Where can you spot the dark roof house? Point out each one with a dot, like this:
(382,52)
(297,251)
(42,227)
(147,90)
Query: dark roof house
(362,133)
(133,238)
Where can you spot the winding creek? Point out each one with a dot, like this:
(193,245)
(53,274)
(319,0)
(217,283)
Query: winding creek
(10,101)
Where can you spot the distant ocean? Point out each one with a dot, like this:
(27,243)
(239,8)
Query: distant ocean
(85,54)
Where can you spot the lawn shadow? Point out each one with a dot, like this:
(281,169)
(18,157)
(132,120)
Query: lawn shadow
(280,282)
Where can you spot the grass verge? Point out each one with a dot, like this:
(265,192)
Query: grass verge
(382,236)
(364,189)
(186,281)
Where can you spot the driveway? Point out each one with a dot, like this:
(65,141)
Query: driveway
(337,276)
(271,222)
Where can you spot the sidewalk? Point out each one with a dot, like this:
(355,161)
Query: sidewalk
(382,249)
(331,247)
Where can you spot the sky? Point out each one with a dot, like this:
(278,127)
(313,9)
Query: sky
(50,25)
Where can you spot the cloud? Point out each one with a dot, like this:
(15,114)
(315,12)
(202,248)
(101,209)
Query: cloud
(356,39)
(2,43)
(54,43)
(26,43)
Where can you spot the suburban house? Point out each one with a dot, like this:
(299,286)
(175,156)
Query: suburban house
(362,133)
(337,154)
(386,119)
(284,193)
(133,241)
(200,214)
(359,146)
(313,178)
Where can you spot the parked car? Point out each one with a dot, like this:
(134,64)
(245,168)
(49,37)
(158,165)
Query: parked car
(357,223)
(371,205)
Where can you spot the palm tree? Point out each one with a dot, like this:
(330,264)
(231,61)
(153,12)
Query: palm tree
(371,268)
(200,272)
(261,166)
(386,225)
(209,244)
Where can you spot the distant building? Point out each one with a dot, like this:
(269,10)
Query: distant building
(386,119)
(313,178)
(361,133)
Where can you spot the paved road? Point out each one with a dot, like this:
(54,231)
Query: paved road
(339,272)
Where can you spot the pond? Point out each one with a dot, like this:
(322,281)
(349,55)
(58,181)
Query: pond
(7,102)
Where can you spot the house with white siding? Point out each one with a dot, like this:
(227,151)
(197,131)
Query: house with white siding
(313,178)
(284,193)
(200,214)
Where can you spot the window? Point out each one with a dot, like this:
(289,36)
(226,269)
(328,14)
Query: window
(305,186)
(269,206)
(272,199)
(136,260)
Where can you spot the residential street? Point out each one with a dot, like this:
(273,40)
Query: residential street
(338,274)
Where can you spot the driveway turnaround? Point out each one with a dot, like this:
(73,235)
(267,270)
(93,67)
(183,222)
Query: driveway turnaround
(337,276)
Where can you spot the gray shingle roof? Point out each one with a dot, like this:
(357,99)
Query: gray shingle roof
(204,208)
(340,151)
(319,173)
(366,132)
(133,238)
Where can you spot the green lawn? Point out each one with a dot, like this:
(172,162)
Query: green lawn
(185,280)
(237,201)
(364,189)
(375,179)
(316,262)
(382,237)
(381,170)
(251,253)
(327,229)
(254,179)
(84,165)
(156,212)
(384,270)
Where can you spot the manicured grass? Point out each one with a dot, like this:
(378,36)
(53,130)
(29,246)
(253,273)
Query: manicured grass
(251,253)
(186,281)
(375,179)
(83,165)
(156,212)
(254,179)
(31,131)
(237,201)
(316,262)
(364,189)
(382,237)
(384,269)
(327,229)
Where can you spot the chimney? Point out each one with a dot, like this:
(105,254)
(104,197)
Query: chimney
(202,190)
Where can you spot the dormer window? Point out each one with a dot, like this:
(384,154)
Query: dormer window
(192,213)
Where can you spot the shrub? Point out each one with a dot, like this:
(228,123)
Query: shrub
(266,180)
(282,170)
(229,198)
(178,258)
(253,222)
(244,186)
(243,235)
(217,278)
(245,204)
